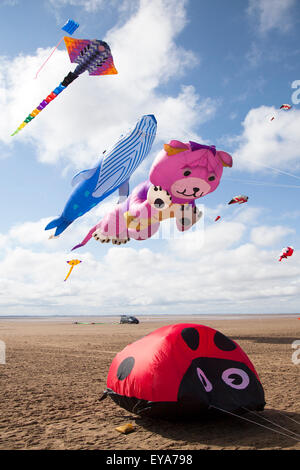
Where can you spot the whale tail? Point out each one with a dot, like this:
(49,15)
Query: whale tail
(60,223)
(86,239)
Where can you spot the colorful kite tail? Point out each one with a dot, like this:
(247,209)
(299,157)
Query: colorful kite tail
(66,81)
(87,238)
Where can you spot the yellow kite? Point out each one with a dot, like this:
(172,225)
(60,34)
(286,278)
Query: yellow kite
(73,263)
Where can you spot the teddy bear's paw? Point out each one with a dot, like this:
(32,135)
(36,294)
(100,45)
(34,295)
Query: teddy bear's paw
(100,237)
(197,214)
(103,238)
(120,241)
(187,216)
(159,198)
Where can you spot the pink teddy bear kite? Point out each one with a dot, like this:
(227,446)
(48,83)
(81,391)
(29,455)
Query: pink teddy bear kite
(180,174)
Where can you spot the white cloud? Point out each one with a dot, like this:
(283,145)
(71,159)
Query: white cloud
(266,143)
(227,270)
(248,215)
(88,5)
(91,114)
(216,237)
(226,273)
(267,235)
(33,234)
(272,14)
(3,241)
(29,233)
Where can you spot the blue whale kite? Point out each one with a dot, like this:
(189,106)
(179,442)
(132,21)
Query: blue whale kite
(112,172)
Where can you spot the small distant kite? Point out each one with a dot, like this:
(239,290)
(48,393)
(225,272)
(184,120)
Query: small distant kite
(69,27)
(288,251)
(72,262)
(94,56)
(239,200)
(285,107)
(217,218)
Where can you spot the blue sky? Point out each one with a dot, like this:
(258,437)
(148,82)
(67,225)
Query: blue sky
(211,71)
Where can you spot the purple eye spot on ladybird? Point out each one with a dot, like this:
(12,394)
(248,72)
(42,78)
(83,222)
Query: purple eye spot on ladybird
(204,380)
(191,338)
(236,378)
(125,368)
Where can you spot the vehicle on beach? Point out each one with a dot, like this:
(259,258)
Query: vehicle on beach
(129,319)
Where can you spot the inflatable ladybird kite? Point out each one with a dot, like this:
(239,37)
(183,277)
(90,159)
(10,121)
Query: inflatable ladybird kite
(183,371)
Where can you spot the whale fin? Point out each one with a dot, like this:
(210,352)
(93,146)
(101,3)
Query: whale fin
(83,176)
(123,191)
(60,223)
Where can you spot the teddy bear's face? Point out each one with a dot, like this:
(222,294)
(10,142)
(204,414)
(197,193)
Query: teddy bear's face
(187,175)
(193,182)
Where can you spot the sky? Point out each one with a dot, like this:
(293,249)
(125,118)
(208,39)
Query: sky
(213,72)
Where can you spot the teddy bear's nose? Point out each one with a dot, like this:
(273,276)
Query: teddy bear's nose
(196,190)
(159,203)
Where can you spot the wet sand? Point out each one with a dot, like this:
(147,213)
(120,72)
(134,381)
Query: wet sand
(56,370)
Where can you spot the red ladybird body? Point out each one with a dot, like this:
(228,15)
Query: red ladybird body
(181,370)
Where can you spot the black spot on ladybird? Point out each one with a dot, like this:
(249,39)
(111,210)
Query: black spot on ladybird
(223,343)
(125,368)
(191,338)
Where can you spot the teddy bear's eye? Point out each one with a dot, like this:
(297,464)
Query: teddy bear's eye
(211,178)
(187,173)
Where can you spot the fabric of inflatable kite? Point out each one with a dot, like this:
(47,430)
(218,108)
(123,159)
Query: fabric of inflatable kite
(72,262)
(238,200)
(184,370)
(180,174)
(70,26)
(288,251)
(285,106)
(91,55)
(112,172)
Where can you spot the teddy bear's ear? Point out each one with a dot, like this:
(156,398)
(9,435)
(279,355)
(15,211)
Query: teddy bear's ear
(225,158)
(174,147)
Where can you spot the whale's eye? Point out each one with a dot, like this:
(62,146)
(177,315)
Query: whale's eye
(212,178)
(236,378)
(187,173)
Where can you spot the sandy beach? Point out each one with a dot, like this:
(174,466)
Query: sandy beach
(56,370)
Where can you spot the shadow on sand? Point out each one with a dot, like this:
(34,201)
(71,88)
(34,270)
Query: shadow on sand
(265,339)
(224,431)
